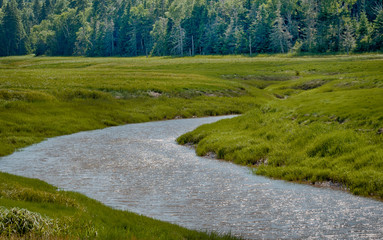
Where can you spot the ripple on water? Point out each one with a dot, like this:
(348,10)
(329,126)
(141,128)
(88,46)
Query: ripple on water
(139,167)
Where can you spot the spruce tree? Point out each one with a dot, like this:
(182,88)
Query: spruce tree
(159,35)
(310,24)
(348,39)
(280,36)
(20,4)
(36,12)
(378,31)
(363,33)
(260,30)
(14,41)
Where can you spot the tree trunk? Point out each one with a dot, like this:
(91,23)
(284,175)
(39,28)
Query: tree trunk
(181,42)
(192,45)
(251,53)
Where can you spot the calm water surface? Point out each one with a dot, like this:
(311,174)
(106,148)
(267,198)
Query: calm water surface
(140,168)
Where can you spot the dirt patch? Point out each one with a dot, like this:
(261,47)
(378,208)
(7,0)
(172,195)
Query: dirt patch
(259,77)
(332,185)
(310,84)
(154,94)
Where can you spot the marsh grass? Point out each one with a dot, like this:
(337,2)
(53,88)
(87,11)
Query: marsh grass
(307,119)
(324,125)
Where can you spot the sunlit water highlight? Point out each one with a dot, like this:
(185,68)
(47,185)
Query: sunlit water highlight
(140,168)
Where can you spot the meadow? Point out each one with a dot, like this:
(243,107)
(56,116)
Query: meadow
(306,119)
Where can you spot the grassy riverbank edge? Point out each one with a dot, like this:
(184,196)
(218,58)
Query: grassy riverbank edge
(71,215)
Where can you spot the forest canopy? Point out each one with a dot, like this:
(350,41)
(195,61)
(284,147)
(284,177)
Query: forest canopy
(188,27)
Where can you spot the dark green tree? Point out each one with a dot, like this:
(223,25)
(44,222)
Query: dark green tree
(123,32)
(260,30)
(195,28)
(280,36)
(20,4)
(378,31)
(66,27)
(14,40)
(363,34)
(46,9)
(36,12)
(81,5)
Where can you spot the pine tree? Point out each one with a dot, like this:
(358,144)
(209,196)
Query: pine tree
(363,33)
(140,25)
(46,9)
(81,5)
(20,4)
(159,35)
(83,42)
(310,22)
(14,43)
(348,39)
(36,12)
(280,36)
(177,13)
(378,31)
(230,41)
(123,32)
(260,30)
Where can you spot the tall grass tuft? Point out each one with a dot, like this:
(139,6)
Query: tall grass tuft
(21,222)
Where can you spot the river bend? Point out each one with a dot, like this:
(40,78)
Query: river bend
(140,168)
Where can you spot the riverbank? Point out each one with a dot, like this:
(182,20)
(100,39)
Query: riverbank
(46,97)
(308,119)
(55,214)
(324,126)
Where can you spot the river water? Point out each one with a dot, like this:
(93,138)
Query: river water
(140,168)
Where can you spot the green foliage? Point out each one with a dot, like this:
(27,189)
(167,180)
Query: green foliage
(378,31)
(13,34)
(185,27)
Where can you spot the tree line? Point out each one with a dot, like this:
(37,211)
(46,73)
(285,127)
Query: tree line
(188,27)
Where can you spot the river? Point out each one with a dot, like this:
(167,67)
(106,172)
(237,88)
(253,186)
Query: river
(140,168)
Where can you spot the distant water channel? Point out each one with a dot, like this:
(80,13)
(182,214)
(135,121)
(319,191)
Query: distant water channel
(140,168)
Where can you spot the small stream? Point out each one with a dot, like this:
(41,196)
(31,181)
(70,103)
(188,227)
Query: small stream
(140,168)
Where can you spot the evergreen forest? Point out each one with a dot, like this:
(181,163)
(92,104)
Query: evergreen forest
(188,27)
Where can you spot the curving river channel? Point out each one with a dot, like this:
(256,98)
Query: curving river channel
(140,168)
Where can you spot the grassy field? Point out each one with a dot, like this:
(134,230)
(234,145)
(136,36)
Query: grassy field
(309,119)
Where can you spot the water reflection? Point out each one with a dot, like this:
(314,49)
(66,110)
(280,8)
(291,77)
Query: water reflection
(140,168)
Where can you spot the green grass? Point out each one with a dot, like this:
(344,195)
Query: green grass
(324,124)
(305,119)
(46,97)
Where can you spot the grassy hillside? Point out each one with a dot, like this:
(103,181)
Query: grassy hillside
(308,119)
